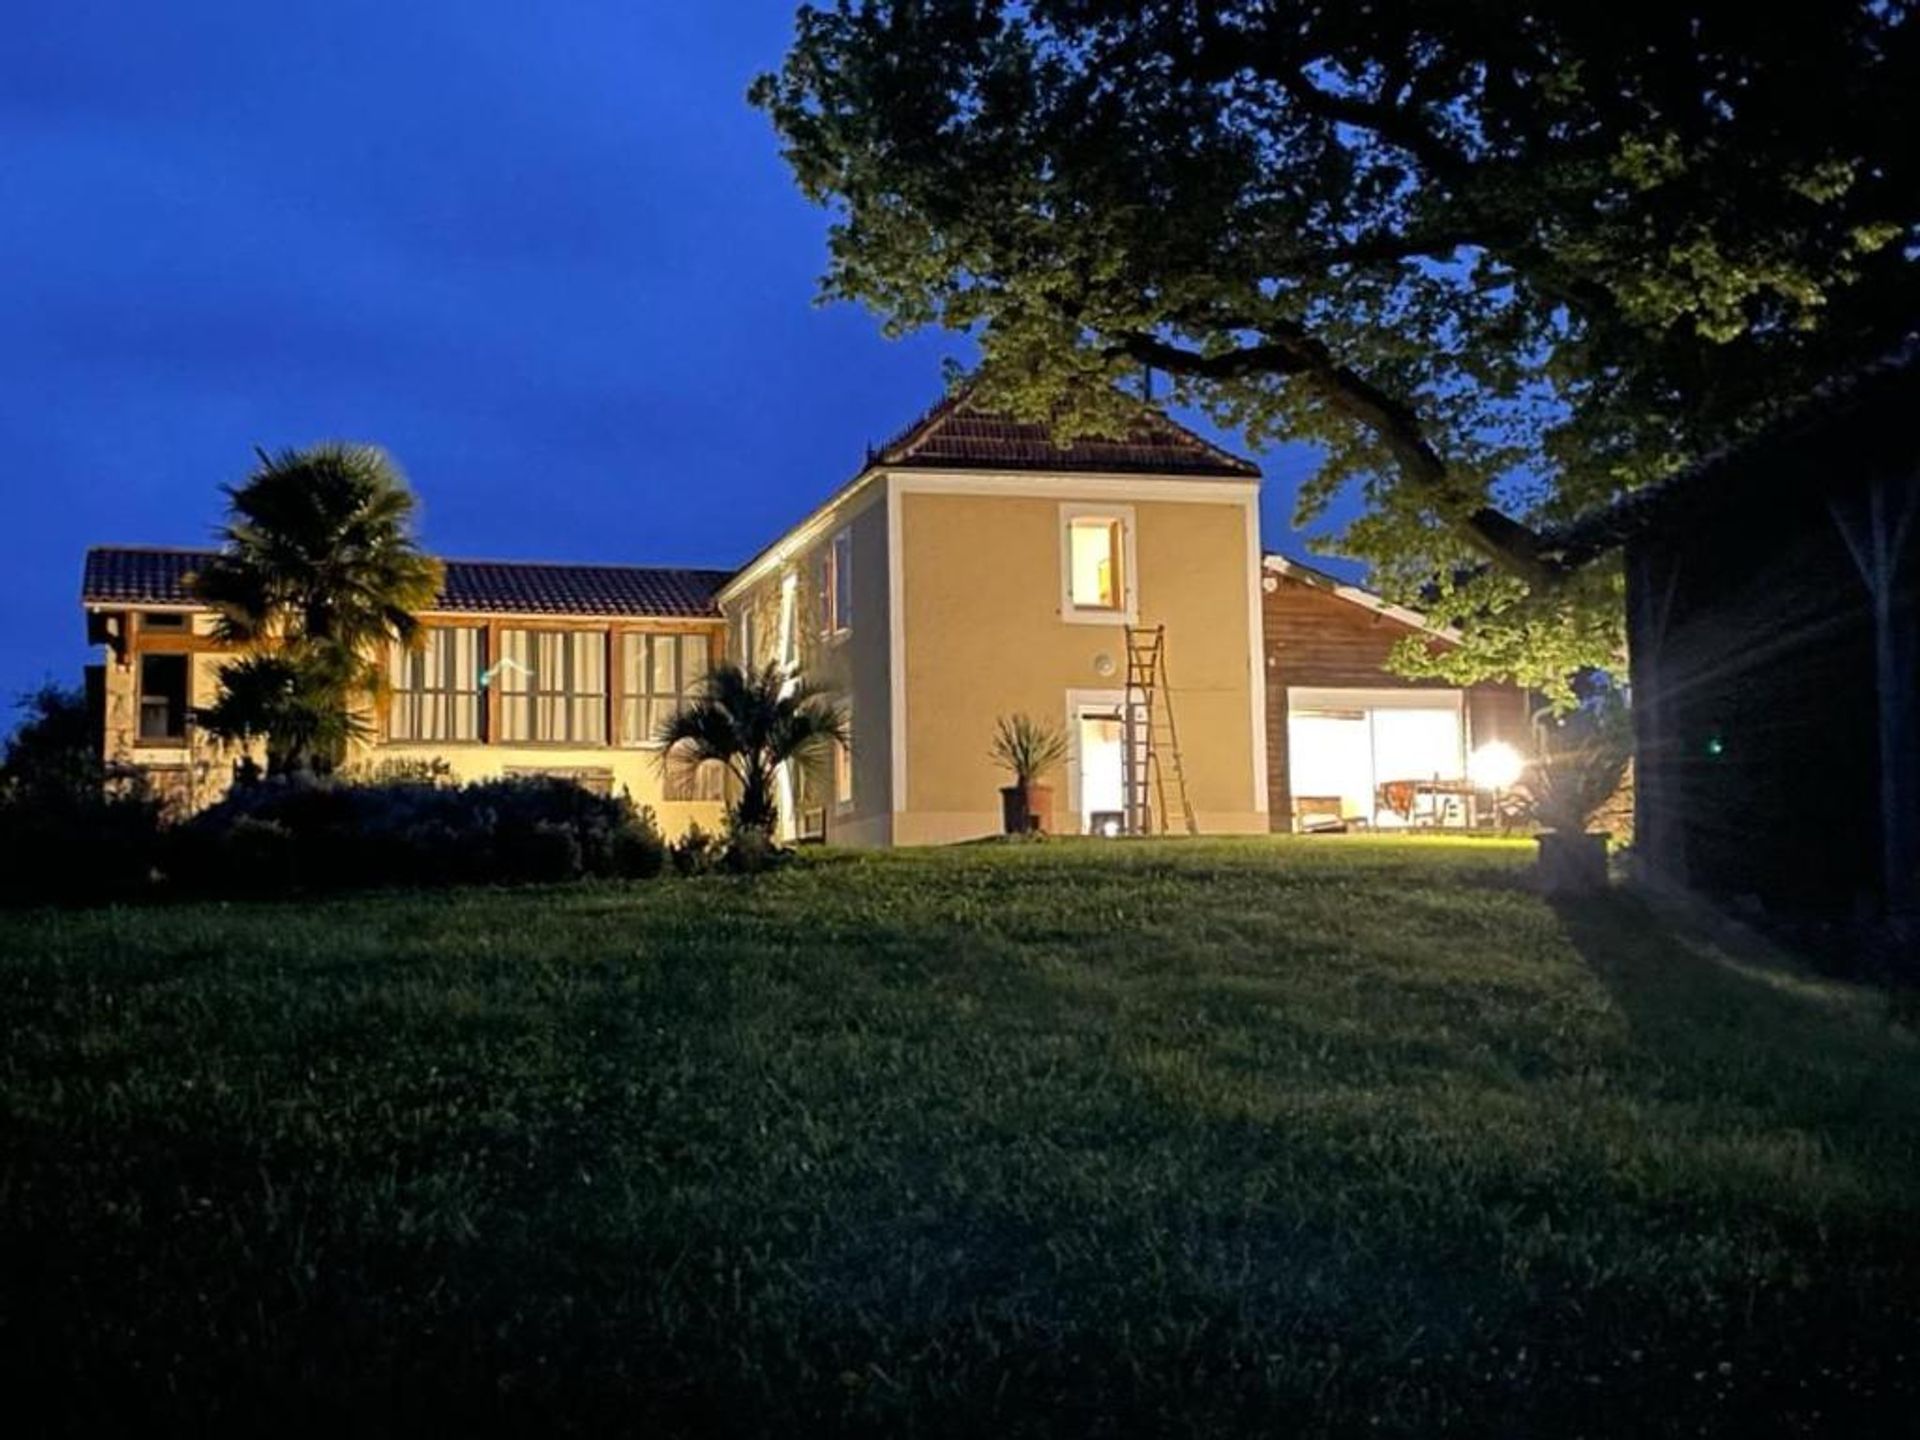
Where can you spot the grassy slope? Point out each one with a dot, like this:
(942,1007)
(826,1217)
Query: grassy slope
(1190,1138)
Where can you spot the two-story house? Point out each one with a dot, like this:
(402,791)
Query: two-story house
(971,569)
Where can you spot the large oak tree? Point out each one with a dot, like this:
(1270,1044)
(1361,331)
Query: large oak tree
(1501,262)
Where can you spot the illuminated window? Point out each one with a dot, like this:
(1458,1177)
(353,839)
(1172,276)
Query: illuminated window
(553,686)
(835,580)
(436,688)
(843,769)
(1097,556)
(658,673)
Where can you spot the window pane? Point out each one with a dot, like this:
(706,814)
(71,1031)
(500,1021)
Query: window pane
(1094,555)
(163,697)
(843,580)
(661,679)
(693,662)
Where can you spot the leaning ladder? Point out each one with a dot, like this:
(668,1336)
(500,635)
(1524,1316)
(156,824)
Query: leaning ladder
(1151,753)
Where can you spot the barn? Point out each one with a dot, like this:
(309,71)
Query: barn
(1774,624)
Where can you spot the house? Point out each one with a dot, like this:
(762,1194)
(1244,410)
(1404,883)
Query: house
(971,568)
(1774,623)
(526,669)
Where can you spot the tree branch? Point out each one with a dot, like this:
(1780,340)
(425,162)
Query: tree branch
(1289,350)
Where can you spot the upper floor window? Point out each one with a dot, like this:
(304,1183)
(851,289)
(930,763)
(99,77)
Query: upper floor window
(163,698)
(436,688)
(746,637)
(553,686)
(835,579)
(658,673)
(1097,563)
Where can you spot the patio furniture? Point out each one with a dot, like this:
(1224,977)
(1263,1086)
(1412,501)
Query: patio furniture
(1448,803)
(1318,815)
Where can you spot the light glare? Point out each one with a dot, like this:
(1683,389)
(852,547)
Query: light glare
(1495,765)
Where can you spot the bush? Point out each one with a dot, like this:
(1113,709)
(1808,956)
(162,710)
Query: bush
(697,852)
(639,850)
(72,828)
(297,833)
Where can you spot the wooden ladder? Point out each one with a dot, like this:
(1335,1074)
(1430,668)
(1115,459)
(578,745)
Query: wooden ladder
(1151,753)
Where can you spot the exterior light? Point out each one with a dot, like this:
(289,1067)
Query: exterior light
(1495,766)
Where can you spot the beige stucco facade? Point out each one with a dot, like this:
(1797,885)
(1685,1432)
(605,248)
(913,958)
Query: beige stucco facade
(961,615)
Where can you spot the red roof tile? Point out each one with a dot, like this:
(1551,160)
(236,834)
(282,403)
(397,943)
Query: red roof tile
(956,435)
(146,575)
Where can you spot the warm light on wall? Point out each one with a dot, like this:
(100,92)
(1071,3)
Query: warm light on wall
(1495,765)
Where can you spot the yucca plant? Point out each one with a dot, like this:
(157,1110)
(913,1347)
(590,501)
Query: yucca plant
(1029,748)
(1583,758)
(753,720)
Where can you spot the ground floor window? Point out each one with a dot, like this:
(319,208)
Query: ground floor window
(1387,758)
(436,687)
(658,675)
(553,686)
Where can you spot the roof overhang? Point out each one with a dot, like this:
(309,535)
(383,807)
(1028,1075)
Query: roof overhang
(1355,595)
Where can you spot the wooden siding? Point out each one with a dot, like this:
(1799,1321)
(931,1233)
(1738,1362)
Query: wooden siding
(1314,637)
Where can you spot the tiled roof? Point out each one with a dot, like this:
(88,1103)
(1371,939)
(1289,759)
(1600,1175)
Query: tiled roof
(956,435)
(144,575)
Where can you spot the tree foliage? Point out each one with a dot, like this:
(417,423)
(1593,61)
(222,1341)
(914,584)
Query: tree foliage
(753,720)
(319,569)
(1500,263)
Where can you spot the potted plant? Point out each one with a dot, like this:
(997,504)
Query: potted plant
(1030,749)
(1583,757)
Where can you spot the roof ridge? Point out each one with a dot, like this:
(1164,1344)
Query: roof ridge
(446,560)
(907,445)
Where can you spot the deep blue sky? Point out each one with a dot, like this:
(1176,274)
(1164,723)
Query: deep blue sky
(545,254)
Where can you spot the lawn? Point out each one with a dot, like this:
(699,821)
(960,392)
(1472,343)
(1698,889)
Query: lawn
(1210,1138)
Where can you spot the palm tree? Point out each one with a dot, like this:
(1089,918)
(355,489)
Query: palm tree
(317,571)
(753,720)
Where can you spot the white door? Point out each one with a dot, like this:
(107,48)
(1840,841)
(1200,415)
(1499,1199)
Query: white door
(1101,741)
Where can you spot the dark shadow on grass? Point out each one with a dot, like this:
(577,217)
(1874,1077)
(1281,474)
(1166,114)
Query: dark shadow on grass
(1751,1028)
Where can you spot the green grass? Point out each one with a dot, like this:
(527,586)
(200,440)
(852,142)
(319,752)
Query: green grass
(1181,1138)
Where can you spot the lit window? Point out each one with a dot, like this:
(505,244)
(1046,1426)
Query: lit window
(835,579)
(657,675)
(1096,546)
(843,769)
(436,688)
(553,686)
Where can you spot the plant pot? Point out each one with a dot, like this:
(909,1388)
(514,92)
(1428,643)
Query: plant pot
(1572,864)
(1026,809)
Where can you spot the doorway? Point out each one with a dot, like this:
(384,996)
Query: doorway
(1097,772)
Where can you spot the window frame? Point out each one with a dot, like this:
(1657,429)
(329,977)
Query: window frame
(479,681)
(172,740)
(569,697)
(833,573)
(1127,612)
(844,793)
(636,681)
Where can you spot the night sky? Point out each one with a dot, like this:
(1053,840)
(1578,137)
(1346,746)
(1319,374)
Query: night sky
(544,254)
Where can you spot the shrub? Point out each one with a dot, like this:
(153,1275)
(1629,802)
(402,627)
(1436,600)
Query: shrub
(71,827)
(639,850)
(1583,758)
(696,852)
(749,849)
(298,833)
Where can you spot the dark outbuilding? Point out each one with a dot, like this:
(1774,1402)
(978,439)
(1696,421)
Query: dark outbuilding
(1774,619)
